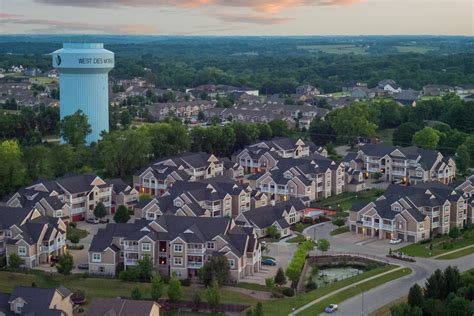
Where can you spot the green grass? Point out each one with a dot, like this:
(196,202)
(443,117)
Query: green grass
(344,201)
(318,308)
(457,254)
(253,287)
(43,80)
(101,287)
(339,230)
(386,135)
(339,49)
(296,239)
(413,49)
(423,250)
(284,306)
(76,231)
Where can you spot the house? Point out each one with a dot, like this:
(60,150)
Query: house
(81,193)
(389,86)
(407,97)
(157,177)
(33,237)
(351,85)
(183,110)
(307,90)
(436,90)
(176,244)
(403,164)
(354,180)
(122,307)
(37,301)
(412,213)
(122,194)
(280,215)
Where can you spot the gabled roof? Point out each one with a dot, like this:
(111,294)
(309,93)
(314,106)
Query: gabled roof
(37,299)
(10,216)
(119,307)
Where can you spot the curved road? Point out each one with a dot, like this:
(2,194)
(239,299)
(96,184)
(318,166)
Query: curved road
(369,301)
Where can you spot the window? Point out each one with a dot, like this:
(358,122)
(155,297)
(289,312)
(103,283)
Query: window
(210,245)
(162,260)
(121,241)
(178,248)
(178,261)
(101,269)
(446,219)
(59,213)
(419,173)
(22,251)
(19,308)
(121,254)
(146,246)
(231,263)
(8,233)
(420,226)
(96,257)
(178,273)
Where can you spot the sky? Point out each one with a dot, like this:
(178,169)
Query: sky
(238,17)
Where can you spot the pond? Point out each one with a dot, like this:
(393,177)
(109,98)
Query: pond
(327,276)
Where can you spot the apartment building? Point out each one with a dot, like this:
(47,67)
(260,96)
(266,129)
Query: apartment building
(467,187)
(122,194)
(402,164)
(184,110)
(281,215)
(412,213)
(32,236)
(26,300)
(156,178)
(81,194)
(122,307)
(176,244)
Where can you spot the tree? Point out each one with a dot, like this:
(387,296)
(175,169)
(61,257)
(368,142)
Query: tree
(280,277)
(352,121)
(15,261)
(270,283)
(213,296)
(65,263)
(174,289)
(454,233)
(75,128)
(272,231)
(136,294)
(156,287)
(403,134)
(217,269)
(323,245)
(280,128)
(415,296)
(427,138)
(339,221)
(452,279)
(435,286)
(12,170)
(36,160)
(458,306)
(264,132)
(463,160)
(63,159)
(125,118)
(404,309)
(122,215)
(145,268)
(469,143)
(321,132)
(100,210)
(258,309)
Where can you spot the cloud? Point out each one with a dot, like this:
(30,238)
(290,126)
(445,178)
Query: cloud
(250,18)
(57,26)
(263,6)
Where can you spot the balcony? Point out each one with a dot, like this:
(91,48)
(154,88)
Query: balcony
(79,199)
(195,264)
(399,172)
(388,227)
(198,251)
(130,261)
(53,247)
(435,225)
(130,248)
(398,163)
(368,224)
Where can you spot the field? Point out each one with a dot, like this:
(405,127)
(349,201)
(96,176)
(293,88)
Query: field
(339,49)
(344,201)
(413,49)
(43,80)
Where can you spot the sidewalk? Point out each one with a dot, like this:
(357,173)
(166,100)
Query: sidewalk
(342,289)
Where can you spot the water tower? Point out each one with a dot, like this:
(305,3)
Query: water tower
(84,83)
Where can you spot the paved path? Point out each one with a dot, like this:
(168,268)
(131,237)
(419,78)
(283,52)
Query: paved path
(367,302)
(450,252)
(343,289)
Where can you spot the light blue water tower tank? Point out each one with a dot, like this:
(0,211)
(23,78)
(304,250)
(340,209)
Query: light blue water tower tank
(83,81)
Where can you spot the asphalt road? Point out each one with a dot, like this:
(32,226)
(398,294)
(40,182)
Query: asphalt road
(372,300)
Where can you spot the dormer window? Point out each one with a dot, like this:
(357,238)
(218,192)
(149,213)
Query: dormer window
(178,203)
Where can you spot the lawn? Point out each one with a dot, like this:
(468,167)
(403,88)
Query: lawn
(102,287)
(458,254)
(413,49)
(344,201)
(43,80)
(76,231)
(253,287)
(297,239)
(442,245)
(284,306)
(386,136)
(339,230)
(318,308)
(339,49)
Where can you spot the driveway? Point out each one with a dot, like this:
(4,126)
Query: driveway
(372,300)
(282,252)
(81,256)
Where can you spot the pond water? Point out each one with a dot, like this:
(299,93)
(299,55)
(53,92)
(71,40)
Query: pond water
(329,275)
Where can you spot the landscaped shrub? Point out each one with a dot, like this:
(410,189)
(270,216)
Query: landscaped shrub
(293,272)
(276,293)
(311,285)
(185,282)
(288,291)
(73,224)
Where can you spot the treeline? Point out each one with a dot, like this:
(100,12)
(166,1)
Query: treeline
(445,124)
(120,153)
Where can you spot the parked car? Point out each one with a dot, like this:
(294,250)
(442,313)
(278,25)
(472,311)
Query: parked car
(93,220)
(83,266)
(269,262)
(331,308)
(395,241)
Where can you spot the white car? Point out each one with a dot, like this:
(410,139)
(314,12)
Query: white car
(331,308)
(395,241)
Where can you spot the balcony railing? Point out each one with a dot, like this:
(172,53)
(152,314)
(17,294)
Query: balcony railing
(130,262)
(130,248)
(53,247)
(388,227)
(195,264)
(196,250)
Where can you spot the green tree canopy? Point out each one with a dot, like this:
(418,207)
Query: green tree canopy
(427,138)
(122,215)
(75,128)
(100,210)
(65,263)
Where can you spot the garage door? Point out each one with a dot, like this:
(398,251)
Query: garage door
(353,228)
(77,217)
(401,236)
(411,238)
